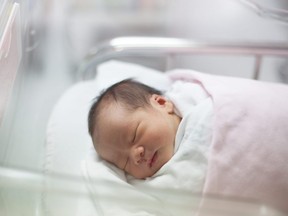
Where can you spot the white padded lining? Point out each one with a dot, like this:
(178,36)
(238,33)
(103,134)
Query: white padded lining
(68,141)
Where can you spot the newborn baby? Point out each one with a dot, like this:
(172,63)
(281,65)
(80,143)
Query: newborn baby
(133,126)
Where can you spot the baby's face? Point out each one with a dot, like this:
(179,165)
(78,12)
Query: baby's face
(139,142)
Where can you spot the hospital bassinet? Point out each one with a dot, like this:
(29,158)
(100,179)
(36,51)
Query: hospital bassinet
(60,188)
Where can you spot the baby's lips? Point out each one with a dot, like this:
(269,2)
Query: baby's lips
(152,160)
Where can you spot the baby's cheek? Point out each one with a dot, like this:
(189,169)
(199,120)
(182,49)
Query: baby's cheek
(159,135)
(162,138)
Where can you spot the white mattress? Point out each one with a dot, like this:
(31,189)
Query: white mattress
(68,142)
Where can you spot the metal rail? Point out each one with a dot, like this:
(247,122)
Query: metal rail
(156,46)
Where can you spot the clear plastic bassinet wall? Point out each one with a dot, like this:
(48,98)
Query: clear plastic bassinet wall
(39,54)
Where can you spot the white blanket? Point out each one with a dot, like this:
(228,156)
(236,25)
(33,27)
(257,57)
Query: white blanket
(170,191)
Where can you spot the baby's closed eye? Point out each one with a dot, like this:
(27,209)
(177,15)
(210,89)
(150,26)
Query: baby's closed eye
(135,134)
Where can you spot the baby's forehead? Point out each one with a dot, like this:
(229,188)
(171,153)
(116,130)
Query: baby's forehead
(112,136)
(115,107)
(114,120)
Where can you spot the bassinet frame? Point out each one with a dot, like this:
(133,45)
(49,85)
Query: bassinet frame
(170,47)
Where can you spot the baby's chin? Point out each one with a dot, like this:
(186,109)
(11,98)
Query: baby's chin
(144,175)
(141,177)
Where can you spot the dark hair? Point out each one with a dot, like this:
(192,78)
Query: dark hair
(128,92)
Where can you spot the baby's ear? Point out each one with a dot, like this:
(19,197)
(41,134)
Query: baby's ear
(159,101)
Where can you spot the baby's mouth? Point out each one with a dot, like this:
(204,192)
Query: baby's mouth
(153,159)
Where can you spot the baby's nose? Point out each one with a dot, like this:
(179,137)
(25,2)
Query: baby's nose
(138,155)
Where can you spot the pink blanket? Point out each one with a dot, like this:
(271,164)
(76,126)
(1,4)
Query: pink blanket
(249,152)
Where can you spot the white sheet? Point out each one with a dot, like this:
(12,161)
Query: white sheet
(67,139)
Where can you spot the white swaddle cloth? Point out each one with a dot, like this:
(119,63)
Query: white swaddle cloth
(183,174)
(185,171)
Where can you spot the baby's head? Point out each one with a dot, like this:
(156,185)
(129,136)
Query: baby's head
(133,127)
